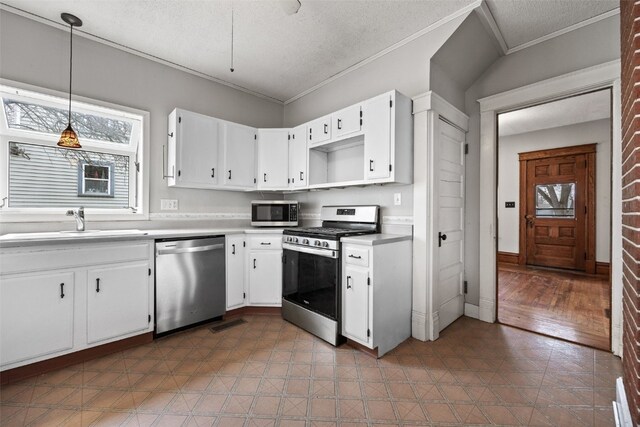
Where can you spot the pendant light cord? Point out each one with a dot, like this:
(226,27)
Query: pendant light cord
(232,37)
(70,67)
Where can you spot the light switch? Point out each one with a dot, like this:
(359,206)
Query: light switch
(397,199)
(509,204)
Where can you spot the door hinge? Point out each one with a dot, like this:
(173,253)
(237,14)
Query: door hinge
(368,332)
(179,172)
(149,319)
(179,119)
(149,272)
(255,136)
(466,286)
(368,281)
(391,103)
(466,148)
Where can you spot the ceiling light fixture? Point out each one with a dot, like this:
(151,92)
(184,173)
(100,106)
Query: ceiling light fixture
(232,69)
(69,139)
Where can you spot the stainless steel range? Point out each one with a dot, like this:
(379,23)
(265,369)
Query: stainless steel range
(311,268)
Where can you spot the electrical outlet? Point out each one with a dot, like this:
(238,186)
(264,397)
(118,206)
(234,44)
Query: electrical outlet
(397,199)
(168,205)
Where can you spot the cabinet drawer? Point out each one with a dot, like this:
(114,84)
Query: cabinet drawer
(346,121)
(265,242)
(73,255)
(357,256)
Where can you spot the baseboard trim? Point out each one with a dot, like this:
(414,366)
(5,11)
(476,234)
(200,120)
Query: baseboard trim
(44,366)
(419,325)
(508,257)
(487,310)
(471,310)
(621,406)
(272,311)
(603,268)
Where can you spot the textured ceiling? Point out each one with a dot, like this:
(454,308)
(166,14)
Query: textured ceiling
(280,55)
(564,112)
(522,21)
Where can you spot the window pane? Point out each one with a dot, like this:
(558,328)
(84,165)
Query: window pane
(45,177)
(555,200)
(51,120)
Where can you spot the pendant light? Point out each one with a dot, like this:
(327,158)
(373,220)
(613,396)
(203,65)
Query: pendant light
(69,139)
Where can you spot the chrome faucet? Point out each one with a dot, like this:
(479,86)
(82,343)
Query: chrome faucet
(78,215)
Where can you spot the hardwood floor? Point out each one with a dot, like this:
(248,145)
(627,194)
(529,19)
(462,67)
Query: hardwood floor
(571,306)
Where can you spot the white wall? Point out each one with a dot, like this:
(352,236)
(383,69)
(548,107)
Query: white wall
(38,54)
(599,132)
(591,45)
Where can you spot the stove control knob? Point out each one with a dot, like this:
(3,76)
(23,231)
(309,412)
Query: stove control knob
(305,241)
(325,244)
(294,239)
(317,243)
(287,239)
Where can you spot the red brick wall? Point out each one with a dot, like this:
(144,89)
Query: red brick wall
(630,57)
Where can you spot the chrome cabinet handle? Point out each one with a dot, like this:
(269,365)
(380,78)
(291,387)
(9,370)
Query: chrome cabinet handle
(356,257)
(370,165)
(348,285)
(61,290)
(229,174)
(233,249)
(265,177)
(97,284)
(326,128)
(254,263)
(301,176)
(339,124)
(213,172)
(265,243)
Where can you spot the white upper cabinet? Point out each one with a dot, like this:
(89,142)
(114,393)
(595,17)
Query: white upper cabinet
(346,121)
(273,155)
(298,158)
(319,130)
(388,139)
(239,154)
(194,144)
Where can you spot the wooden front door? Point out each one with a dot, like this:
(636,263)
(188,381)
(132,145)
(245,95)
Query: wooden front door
(557,205)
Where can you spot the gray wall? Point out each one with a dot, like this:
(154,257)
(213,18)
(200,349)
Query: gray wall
(38,54)
(588,46)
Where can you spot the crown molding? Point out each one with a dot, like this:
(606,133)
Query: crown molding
(490,24)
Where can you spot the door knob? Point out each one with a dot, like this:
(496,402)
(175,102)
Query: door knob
(529,219)
(441,237)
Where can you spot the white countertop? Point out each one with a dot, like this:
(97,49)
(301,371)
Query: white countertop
(375,239)
(97,236)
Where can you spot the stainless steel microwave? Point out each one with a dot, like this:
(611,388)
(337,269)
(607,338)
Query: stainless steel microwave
(274,213)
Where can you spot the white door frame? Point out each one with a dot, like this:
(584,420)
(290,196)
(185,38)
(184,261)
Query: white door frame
(596,77)
(427,109)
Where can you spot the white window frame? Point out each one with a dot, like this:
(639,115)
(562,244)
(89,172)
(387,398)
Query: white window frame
(138,181)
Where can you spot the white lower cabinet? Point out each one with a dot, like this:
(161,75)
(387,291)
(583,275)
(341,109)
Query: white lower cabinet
(36,315)
(235,270)
(376,291)
(117,301)
(265,270)
(61,298)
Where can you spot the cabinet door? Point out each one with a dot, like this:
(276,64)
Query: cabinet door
(273,158)
(377,137)
(197,143)
(346,121)
(239,156)
(36,316)
(235,269)
(355,319)
(298,158)
(319,130)
(117,300)
(265,277)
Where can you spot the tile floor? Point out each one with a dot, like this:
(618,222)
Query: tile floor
(268,372)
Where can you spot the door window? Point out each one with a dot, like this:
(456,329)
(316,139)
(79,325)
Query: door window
(555,200)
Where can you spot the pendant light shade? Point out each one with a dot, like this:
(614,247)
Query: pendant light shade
(69,138)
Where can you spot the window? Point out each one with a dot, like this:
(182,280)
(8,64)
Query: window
(555,200)
(105,175)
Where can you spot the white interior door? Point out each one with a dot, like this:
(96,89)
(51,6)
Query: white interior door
(448,223)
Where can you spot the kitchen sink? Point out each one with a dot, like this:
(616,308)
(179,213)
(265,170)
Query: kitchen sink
(52,235)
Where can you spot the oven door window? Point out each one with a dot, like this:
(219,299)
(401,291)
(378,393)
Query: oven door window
(311,281)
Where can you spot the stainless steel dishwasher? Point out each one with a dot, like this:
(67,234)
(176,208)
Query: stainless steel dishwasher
(190,282)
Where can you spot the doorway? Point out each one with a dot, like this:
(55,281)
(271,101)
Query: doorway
(554,218)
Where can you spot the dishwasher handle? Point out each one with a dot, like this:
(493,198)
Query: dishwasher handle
(190,250)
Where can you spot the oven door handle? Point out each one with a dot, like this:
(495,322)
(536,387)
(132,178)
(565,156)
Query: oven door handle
(327,253)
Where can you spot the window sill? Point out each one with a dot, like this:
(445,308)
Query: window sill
(58,215)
